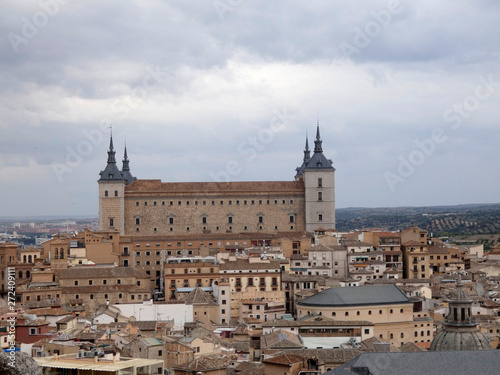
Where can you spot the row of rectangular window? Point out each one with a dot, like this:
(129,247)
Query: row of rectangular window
(230,228)
(204,219)
(221,202)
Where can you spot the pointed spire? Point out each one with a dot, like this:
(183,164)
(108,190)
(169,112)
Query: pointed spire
(111,151)
(307,152)
(127,176)
(126,166)
(317,142)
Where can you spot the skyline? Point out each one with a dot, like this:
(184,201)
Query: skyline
(407,98)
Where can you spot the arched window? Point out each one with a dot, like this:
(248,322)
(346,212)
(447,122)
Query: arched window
(56,256)
(61,253)
(334,313)
(402,335)
(20,274)
(30,259)
(28,274)
(391,336)
(24,258)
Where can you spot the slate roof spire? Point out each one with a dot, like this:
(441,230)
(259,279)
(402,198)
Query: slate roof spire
(318,141)
(307,152)
(126,166)
(111,172)
(127,176)
(111,151)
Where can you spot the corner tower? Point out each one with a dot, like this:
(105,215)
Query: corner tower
(318,175)
(112,195)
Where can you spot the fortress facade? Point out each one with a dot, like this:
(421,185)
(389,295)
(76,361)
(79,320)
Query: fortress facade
(133,206)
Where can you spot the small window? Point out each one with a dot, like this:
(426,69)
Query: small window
(116,193)
(320,195)
(320,182)
(320,217)
(106,193)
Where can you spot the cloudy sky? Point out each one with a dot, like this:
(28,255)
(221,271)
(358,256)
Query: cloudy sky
(407,96)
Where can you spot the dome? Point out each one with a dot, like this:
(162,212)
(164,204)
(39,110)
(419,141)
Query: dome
(460,339)
(459,331)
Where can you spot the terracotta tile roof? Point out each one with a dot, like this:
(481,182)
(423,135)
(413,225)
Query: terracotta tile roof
(198,297)
(216,188)
(249,368)
(280,339)
(326,356)
(368,345)
(205,363)
(285,359)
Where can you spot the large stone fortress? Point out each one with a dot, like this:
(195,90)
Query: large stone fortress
(151,207)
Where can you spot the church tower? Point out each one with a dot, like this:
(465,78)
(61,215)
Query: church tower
(318,175)
(112,194)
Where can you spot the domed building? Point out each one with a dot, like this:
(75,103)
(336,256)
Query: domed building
(460,331)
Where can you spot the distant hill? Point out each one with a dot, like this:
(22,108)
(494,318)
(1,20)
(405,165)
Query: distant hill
(464,219)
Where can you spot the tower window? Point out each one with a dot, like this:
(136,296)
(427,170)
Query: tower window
(111,222)
(171,220)
(106,193)
(320,182)
(320,217)
(137,221)
(204,220)
(145,203)
(116,193)
(229,219)
(292,218)
(320,195)
(261,219)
